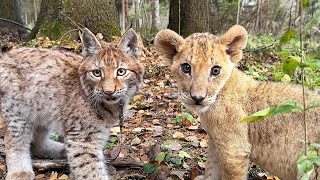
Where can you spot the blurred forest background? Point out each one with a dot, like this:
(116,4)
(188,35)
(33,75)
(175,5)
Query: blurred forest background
(162,139)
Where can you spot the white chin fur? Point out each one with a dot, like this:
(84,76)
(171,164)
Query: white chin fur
(197,108)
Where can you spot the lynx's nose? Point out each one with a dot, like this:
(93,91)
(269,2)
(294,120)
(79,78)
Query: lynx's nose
(198,99)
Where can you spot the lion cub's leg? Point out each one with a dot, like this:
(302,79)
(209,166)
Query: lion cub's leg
(213,170)
(234,161)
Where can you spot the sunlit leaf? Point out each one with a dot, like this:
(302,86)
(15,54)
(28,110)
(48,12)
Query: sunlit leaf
(160,157)
(313,105)
(288,107)
(313,21)
(305,3)
(288,35)
(290,64)
(312,154)
(314,63)
(184,154)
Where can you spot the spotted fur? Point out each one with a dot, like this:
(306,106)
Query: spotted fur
(224,98)
(44,90)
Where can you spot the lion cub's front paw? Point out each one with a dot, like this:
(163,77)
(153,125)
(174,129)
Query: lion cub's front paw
(20,175)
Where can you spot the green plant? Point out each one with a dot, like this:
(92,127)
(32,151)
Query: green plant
(296,58)
(184,117)
(111,142)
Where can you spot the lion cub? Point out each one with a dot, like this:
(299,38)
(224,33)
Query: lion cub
(204,67)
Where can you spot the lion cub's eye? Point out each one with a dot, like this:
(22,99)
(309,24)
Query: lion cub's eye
(96,72)
(186,68)
(121,72)
(215,70)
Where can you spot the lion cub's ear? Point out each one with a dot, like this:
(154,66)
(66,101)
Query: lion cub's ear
(235,39)
(168,43)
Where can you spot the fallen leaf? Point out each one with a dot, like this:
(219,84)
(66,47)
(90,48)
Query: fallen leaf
(193,127)
(178,135)
(203,143)
(135,141)
(201,164)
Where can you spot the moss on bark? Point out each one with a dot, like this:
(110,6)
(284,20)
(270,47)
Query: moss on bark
(98,16)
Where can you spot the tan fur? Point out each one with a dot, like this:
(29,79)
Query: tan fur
(231,96)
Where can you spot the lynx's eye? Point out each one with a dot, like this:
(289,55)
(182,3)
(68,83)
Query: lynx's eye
(215,70)
(96,72)
(121,72)
(186,68)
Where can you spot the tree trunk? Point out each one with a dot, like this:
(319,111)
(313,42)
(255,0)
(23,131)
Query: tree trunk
(11,14)
(155,15)
(194,16)
(57,17)
(137,14)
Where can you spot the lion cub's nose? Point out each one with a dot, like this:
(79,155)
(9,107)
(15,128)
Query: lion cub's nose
(198,99)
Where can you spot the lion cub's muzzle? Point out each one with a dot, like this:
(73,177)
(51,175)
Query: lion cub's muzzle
(197,99)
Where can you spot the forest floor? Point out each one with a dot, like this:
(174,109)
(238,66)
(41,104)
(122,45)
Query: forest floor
(161,139)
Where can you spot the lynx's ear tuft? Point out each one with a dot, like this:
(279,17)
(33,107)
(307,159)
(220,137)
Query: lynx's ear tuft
(167,44)
(90,43)
(235,39)
(130,44)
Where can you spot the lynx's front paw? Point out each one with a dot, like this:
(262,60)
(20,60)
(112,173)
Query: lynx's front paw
(20,175)
(201,177)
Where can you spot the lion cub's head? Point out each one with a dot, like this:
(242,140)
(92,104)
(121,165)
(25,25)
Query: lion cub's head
(201,63)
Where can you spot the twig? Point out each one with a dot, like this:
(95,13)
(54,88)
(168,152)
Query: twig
(259,48)
(18,24)
(305,126)
(46,164)
(76,24)
(67,33)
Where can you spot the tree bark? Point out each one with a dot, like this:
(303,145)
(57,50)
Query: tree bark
(194,16)
(11,10)
(155,15)
(57,17)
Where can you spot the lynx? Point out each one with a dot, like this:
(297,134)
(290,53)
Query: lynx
(204,67)
(78,96)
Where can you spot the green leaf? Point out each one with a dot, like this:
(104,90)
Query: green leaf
(286,78)
(305,166)
(301,159)
(160,157)
(315,145)
(288,35)
(257,116)
(314,64)
(317,162)
(149,168)
(312,154)
(288,107)
(305,3)
(184,154)
(313,21)
(313,105)
(290,64)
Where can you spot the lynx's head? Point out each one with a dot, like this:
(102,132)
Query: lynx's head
(201,63)
(110,72)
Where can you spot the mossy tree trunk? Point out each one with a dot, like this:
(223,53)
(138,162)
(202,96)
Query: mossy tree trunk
(194,16)
(57,17)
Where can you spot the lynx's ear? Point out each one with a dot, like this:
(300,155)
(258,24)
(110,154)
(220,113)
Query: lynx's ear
(129,43)
(167,44)
(90,43)
(235,39)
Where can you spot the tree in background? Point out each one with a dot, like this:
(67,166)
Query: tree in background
(60,16)
(10,15)
(189,16)
(155,15)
